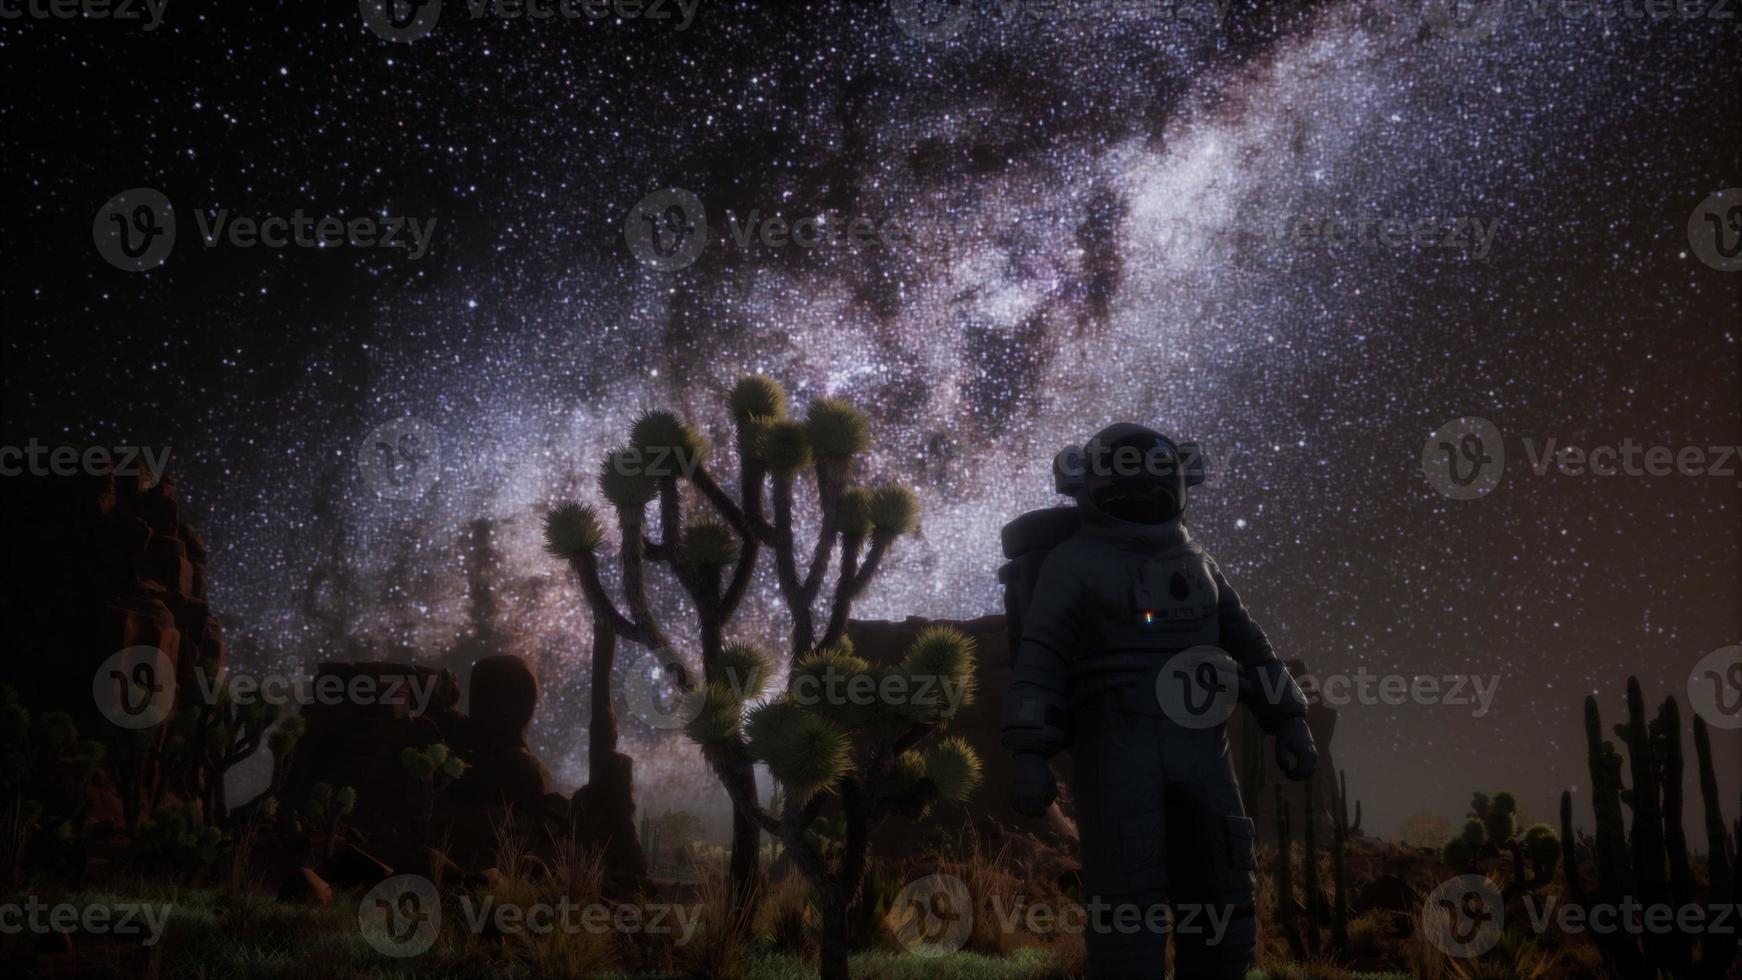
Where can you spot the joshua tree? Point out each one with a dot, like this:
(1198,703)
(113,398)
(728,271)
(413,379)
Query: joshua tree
(713,558)
(821,741)
(211,736)
(1491,829)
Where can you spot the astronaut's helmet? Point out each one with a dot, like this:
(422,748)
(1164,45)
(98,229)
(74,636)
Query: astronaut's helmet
(1135,474)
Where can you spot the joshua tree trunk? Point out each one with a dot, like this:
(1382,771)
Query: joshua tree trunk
(834,938)
(608,799)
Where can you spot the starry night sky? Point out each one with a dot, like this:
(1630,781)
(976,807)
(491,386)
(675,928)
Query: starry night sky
(1101,212)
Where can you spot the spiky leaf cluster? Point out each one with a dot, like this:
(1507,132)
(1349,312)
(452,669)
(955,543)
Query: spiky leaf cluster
(953,769)
(623,480)
(906,777)
(837,430)
(427,763)
(894,511)
(853,514)
(801,748)
(572,530)
(664,437)
(283,739)
(836,683)
(946,656)
(1543,846)
(783,446)
(709,544)
(323,802)
(744,668)
(757,396)
(716,717)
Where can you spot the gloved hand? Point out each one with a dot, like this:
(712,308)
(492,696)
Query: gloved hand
(1295,752)
(1035,787)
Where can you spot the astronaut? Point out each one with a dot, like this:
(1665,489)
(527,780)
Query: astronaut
(1134,650)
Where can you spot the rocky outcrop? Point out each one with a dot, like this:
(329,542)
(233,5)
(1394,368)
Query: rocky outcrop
(504,694)
(357,742)
(360,742)
(94,565)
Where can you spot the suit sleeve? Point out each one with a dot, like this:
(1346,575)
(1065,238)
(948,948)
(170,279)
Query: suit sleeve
(1034,718)
(1271,693)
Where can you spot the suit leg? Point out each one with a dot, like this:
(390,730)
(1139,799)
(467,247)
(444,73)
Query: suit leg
(1116,762)
(1211,861)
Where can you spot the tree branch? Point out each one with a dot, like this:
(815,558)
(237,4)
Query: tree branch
(587,569)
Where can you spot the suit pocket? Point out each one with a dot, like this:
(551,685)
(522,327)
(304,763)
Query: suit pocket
(1241,853)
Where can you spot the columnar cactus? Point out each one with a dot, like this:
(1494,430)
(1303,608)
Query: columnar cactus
(1310,860)
(1287,914)
(1339,867)
(1305,942)
(713,559)
(1651,865)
